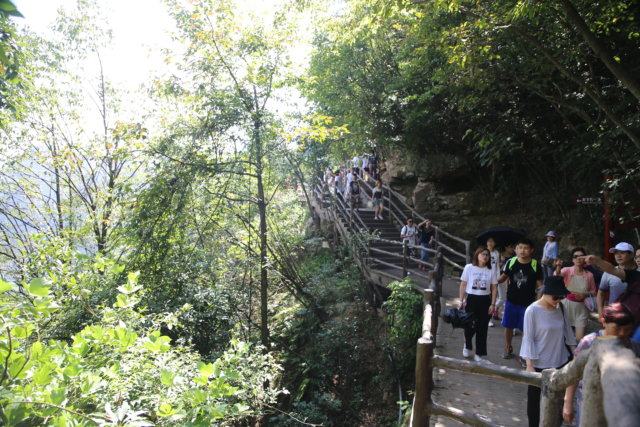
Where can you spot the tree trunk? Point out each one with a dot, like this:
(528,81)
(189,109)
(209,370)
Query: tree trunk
(262,212)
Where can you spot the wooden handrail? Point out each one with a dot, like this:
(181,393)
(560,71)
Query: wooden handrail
(489,370)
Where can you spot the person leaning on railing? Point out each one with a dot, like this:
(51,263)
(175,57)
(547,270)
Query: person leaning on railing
(617,322)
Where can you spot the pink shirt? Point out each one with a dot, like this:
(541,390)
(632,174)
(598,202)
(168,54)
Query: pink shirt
(567,274)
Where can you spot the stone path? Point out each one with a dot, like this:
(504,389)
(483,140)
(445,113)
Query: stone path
(502,401)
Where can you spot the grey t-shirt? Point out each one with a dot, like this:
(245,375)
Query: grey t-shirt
(545,334)
(613,285)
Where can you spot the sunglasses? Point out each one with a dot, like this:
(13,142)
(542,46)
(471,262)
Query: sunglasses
(558,297)
(578,256)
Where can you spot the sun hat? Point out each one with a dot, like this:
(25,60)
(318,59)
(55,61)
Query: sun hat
(550,234)
(554,285)
(622,246)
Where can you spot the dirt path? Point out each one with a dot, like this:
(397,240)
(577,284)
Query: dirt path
(502,401)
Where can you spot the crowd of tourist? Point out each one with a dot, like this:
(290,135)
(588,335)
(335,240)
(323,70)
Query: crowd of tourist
(346,185)
(550,303)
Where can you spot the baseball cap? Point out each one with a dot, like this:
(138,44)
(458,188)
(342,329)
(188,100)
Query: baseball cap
(550,234)
(622,246)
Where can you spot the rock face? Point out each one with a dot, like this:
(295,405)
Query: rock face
(442,187)
(424,196)
(397,171)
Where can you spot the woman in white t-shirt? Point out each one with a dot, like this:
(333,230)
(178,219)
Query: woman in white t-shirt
(479,284)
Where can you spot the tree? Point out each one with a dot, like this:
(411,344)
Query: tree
(235,64)
(65,175)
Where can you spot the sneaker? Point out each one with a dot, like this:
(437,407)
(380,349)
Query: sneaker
(491,325)
(523,362)
(508,352)
(466,352)
(515,332)
(477,358)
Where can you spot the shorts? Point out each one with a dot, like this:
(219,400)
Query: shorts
(377,202)
(577,313)
(513,316)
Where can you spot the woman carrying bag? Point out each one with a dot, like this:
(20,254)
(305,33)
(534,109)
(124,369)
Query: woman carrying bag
(480,286)
(547,340)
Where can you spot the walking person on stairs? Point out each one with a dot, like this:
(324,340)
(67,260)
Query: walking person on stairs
(378,201)
(409,234)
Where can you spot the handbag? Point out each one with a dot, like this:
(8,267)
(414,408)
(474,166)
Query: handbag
(564,322)
(590,303)
(459,318)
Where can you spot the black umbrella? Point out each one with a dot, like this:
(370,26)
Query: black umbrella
(503,236)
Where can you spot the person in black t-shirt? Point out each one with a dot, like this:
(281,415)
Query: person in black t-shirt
(426,239)
(525,277)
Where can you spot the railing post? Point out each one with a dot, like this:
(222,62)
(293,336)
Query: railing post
(424,376)
(467,248)
(351,217)
(405,259)
(551,403)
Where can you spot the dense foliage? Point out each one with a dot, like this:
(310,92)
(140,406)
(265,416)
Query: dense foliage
(530,95)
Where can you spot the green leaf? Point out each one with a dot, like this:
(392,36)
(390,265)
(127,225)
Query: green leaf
(57,396)
(17,365)
(126,301)
(37,287)
(241,408)
(167,377)
(15,414)
(36,349)
(42,375)
(71,370)
(205,369)
(166,410)
(4,286)
(22,332)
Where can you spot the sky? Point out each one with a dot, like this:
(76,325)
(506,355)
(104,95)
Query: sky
(140,28)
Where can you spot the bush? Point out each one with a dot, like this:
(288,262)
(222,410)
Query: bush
(404,316)
(119,370)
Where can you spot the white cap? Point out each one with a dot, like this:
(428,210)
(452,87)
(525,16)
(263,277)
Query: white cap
(550,234)
(622,246)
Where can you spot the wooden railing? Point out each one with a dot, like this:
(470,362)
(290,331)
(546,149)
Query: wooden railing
(357,229)
(399,210)
(423,405)
(611,375)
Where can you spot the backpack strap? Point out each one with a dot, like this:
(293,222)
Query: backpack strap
(512,260)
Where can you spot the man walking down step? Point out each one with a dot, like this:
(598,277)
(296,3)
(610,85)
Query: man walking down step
(525,277)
